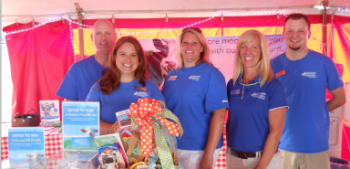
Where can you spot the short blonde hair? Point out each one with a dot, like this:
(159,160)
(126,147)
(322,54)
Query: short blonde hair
(263,65)
(204,56)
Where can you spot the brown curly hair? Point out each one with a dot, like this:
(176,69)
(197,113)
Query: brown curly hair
(111,80)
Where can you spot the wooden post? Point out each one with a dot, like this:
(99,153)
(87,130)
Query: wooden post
(81,36)
(324,27)
(222,24)
(80,30)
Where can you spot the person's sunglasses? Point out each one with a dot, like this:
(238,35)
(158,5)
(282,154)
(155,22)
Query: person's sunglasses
(194,28)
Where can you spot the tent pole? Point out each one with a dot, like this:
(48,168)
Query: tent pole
(80,13)
(81,36)
(222,24)
(331,48)
(324,27)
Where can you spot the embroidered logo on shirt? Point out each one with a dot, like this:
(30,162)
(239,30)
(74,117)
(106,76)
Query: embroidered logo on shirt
(194,77)
(141,94)
(224,101)
(309,74)
(172,77)
(259,95)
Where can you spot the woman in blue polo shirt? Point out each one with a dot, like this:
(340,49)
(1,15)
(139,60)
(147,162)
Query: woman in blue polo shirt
(257,107)
(123,83)
(196,93)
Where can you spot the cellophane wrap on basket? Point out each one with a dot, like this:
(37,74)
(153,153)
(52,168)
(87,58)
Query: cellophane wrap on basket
(142,114)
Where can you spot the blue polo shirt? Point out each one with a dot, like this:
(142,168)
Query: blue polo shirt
(249,111)
(306,128)
(192,94)
(121,98)
(79,79)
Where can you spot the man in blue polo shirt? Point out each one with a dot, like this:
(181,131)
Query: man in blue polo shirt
(83,74)
(306,75)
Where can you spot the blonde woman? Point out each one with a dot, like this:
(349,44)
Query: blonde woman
(196,93)
(257,107)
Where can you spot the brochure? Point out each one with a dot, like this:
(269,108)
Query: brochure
(112,143)
(49,112)
(123,118)
(26,147)
(80,124)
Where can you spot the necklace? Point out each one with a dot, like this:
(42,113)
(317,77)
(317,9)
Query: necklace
(248,84)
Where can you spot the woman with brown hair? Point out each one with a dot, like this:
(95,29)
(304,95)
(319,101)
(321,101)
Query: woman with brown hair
(123,83)
(196,93)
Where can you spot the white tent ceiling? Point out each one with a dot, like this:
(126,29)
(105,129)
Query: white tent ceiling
(23,11)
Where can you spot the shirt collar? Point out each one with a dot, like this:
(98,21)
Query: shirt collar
(251,83)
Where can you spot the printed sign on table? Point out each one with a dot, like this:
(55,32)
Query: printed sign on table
(50,112)
(26,146)
(80,125)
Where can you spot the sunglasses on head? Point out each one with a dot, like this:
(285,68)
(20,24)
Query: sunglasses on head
(194,28)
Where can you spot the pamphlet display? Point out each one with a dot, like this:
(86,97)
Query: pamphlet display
(124,118)
(26,147)
(50,112)
(80,125)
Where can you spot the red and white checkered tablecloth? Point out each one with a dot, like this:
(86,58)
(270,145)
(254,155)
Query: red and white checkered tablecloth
(221,162)
(51,163)
(4,148)
(53,144)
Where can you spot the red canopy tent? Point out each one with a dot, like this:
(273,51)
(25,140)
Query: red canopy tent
(41,56)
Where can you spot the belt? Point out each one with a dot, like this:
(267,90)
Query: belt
(245,155)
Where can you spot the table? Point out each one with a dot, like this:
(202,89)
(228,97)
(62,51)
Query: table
(53,143)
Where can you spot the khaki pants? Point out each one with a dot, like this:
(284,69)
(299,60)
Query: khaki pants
(233,162)
(291,160)
(191,159)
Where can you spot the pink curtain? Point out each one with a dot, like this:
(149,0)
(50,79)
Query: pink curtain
(39,60)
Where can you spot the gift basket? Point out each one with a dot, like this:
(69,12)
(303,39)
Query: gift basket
(150,139)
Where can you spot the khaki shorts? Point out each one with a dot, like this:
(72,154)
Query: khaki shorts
(191,159)
(233,162)
(291,160)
